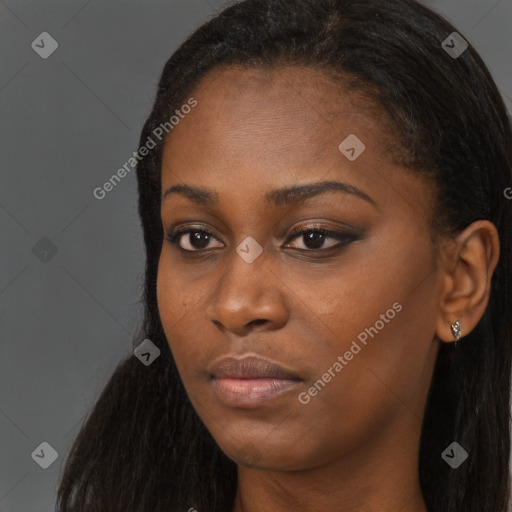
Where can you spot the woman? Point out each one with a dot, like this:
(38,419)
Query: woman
(327,276)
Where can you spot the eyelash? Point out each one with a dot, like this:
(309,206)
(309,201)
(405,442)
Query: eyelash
(345,237)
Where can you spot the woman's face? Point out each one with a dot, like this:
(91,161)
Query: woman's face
(349,316)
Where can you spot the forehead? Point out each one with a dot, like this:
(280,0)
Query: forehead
(260,128)
(292,109)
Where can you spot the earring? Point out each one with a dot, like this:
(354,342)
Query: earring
(456,331)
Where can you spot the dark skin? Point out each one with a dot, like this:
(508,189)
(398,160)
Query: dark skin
(354,446)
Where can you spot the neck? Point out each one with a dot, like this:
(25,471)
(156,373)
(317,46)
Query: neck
(369,479)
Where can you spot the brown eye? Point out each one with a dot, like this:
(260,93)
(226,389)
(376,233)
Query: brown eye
(314,238)
(198,239)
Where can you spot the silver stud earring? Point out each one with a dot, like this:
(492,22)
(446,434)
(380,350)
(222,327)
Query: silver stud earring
(456,331)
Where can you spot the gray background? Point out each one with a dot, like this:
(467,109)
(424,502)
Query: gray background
(67,123)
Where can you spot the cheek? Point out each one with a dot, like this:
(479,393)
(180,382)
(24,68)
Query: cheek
(179,307)
(164,295)
(391,358)
(172,304)
(174,296)
(382,323)
(383,380)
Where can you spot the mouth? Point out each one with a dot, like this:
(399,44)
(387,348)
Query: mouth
(250,382)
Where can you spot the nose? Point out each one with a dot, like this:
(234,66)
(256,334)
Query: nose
(249,296)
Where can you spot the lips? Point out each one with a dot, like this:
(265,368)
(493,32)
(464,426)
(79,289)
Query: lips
(250,368)
(250,382)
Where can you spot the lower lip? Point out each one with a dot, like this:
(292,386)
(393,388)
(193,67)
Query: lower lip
(251,393)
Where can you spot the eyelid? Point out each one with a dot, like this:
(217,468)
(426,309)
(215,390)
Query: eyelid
(318,226)
(344,238)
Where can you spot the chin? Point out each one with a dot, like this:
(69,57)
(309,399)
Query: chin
(264,456)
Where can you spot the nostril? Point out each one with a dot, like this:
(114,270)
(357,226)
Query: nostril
(257,322)
(219,325)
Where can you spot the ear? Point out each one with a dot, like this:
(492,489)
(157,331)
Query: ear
(467,273)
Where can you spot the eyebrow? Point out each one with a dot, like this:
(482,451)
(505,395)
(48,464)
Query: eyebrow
(276,197)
